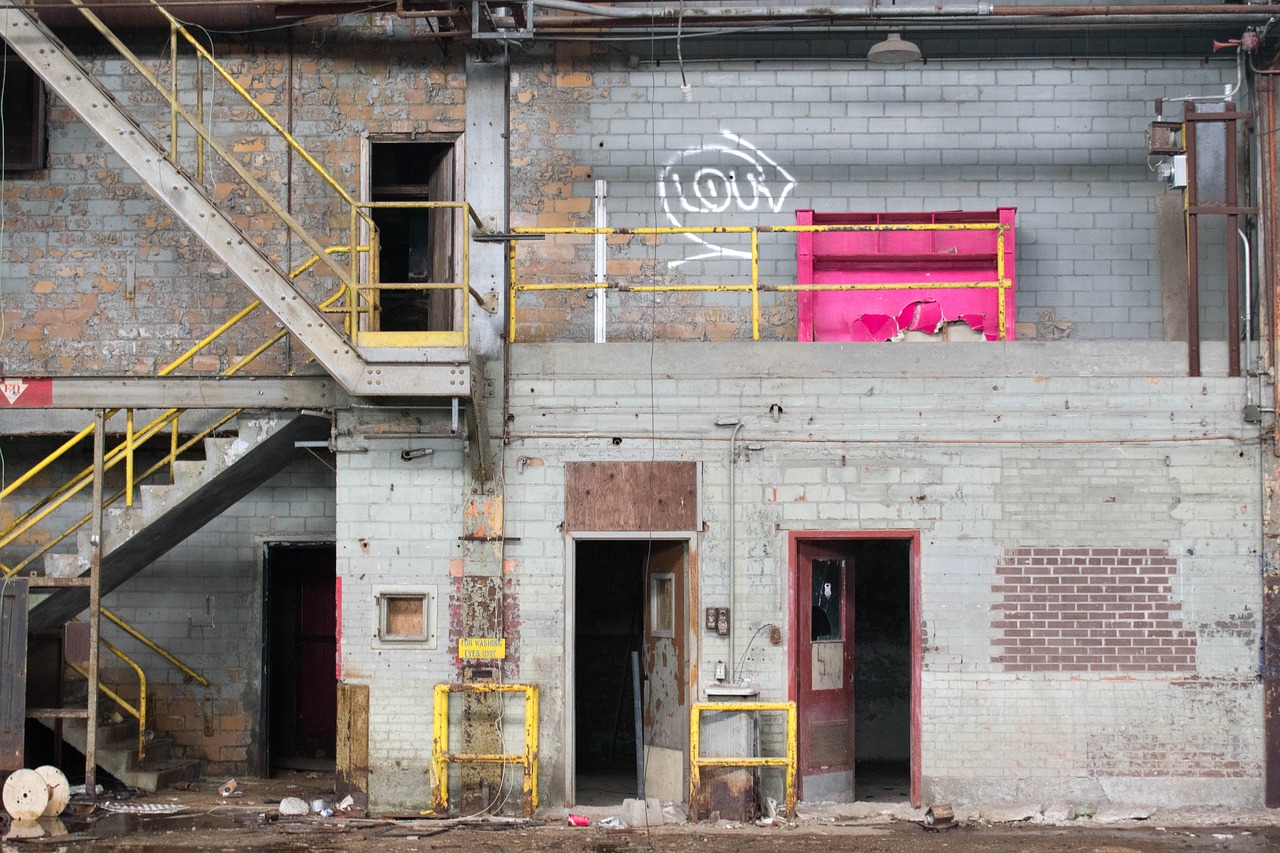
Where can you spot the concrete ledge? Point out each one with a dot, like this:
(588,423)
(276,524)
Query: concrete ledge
(961,359)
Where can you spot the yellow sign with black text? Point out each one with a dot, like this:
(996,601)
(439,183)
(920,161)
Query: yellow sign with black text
(482,648)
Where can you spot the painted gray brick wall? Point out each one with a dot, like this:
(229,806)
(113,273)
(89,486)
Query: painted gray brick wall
(1062,140)
(1051,448)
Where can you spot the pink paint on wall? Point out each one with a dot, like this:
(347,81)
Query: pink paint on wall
(923,268)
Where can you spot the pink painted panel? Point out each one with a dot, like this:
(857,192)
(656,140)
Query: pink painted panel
(903,257)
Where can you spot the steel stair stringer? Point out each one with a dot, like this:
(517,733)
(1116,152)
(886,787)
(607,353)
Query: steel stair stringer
(45,54)
(128,549)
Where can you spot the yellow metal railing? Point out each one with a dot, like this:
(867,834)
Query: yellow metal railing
(364,301)
(134,439)
(355,216)
(139,711)
(697,761)
(441,758)
(1001,284)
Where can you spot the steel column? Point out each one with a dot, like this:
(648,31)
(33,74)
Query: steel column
(95,604)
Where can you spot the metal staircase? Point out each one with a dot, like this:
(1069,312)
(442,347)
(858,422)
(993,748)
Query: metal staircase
(441,371)
(165,515)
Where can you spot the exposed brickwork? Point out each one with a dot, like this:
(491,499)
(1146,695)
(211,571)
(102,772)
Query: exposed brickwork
(1090,610)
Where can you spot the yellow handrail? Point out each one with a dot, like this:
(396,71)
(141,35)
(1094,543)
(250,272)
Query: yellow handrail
(346,275)
(44,549)
(155,647)
(139,712)
(1000,284)
(51,502)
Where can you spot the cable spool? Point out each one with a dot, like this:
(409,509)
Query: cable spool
(59,790)
(25,795)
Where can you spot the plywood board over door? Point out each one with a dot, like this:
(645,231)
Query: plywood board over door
(631,496)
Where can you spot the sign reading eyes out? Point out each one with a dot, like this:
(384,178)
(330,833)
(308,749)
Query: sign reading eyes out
(700,187)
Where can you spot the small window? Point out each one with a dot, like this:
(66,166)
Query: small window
(406,617)
(662,605)
(22,108)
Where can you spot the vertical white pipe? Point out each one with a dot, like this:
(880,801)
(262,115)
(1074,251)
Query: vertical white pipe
(602,220)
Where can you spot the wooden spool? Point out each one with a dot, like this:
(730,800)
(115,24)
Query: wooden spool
(25,795)
(59,790)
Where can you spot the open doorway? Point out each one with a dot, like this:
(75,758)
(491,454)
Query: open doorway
(299,676)
(415,244)
(629,612)
(857,667)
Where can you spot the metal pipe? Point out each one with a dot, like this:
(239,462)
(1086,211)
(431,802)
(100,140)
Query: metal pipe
(1230,94)
(736,423)
(871,11)
(1248,311)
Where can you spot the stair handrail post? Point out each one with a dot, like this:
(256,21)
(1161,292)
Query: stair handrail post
(128,456)
(95,604)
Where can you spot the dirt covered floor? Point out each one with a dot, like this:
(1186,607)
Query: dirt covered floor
(203,820)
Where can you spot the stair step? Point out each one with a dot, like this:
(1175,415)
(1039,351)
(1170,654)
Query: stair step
(188,473)
(163,775)
(64,565)
(152,499)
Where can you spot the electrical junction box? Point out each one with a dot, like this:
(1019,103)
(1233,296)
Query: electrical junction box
(1164,137)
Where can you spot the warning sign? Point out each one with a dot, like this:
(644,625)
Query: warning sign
(25,393)
(482,648)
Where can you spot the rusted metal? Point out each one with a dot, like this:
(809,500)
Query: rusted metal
(13,672)
(697,761)
(1229,206)
(1229,117)
(1193,248)
(95,604)
(1271,685)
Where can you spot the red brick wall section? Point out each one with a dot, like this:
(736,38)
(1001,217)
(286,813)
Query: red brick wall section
(1089,610)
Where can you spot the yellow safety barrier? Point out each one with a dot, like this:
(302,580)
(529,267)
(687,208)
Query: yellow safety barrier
(1001,284)
(140,712)
(441,758)
(698,761)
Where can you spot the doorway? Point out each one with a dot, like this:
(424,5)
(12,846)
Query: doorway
(629,611)
(857,666)
(299,674)
(415,244)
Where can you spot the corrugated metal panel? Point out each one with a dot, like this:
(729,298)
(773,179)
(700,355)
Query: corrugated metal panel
(13,671)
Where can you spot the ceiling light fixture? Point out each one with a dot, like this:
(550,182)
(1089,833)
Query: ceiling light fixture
(894,50)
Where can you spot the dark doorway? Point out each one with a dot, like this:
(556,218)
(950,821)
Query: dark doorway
(415,244)
(630,599)
(882,669)
(299,673)
(855,668)
(609,625)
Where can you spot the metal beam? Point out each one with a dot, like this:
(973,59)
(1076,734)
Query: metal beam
(195,392)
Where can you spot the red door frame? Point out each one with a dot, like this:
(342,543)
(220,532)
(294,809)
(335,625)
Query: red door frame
(794,538)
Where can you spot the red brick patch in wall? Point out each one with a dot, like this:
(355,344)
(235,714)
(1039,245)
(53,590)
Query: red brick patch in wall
(1090,610)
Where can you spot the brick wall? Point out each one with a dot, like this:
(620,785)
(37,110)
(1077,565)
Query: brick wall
(1090,610)
(203,602)
(990,455)
(73,231)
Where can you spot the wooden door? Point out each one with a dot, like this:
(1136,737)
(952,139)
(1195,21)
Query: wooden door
(824,692)
(666,705)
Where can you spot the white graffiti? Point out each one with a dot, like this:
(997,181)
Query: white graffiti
(700,185)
